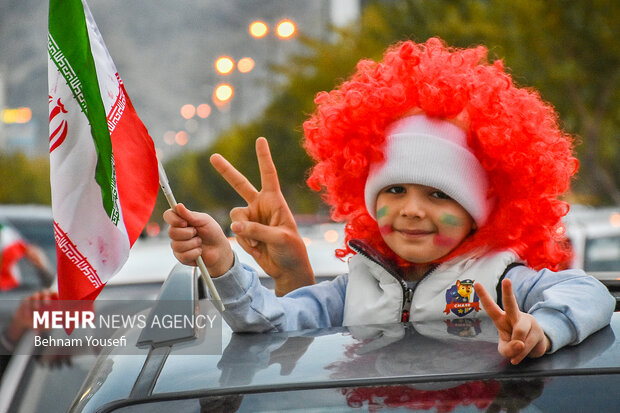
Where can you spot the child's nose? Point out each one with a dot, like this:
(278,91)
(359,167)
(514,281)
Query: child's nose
(413,207)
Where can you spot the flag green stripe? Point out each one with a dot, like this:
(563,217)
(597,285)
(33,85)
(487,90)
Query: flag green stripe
(69,48)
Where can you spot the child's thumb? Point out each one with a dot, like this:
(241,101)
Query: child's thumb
(186,214)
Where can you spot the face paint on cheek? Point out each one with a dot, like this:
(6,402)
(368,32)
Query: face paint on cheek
(443,241)
(382,212)
(385,229)
(450,219)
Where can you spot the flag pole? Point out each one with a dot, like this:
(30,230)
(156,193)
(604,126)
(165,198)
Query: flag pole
(165,186)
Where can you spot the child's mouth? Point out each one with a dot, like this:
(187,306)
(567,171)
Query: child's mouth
(414,233)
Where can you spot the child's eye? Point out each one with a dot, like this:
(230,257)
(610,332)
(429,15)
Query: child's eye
(440,195)
(395,189)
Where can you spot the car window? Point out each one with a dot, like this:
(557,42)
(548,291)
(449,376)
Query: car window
(602,254)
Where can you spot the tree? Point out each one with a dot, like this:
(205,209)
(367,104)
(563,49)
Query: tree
(568,50)
(24,180)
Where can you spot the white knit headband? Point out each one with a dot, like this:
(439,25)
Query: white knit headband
(432,152)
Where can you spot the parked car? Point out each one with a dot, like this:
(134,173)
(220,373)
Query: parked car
(443,366)
(594,234)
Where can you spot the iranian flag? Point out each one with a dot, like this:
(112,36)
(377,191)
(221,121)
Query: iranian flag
(103,167)
(12,249)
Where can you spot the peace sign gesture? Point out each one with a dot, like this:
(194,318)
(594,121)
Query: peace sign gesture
(265,228)
(520,335)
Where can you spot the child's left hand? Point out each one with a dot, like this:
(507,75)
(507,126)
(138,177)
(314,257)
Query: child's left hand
(520,335)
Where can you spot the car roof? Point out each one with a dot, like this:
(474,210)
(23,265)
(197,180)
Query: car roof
(402,353)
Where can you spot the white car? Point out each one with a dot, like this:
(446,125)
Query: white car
(594,234)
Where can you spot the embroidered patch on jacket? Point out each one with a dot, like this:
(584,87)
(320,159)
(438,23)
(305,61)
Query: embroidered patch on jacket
(461,298)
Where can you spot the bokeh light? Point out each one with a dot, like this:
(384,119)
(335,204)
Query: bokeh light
(181,138)
(188,111)
(331,235)
(258,29)
(286,29)
(245,64)
(203,110)
(169,137)
(224,65)
(16,115)
(224,92)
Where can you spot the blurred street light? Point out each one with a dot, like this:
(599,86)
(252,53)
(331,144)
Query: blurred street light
(224,65)
(188,111)
(181,138)
(169,137)
(223,93)
(258,29)
(16,115)
(331,235)
(203,110)
(245,64)
(285,29)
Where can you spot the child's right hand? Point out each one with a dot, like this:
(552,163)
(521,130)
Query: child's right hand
(196,234)
(266,228)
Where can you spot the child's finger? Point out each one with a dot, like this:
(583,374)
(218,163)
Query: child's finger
(510,302)
(188,257)
(520,356)
(187,245)
(511,349)
(539,348)
(268,172)
(249,246)
(489,305)
(173,219)
(235,179)
(182,234)
(240,214)
(259,232)
(521,329)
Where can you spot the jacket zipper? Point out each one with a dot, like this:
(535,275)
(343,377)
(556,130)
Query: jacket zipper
(407,299)
(407,292)
(408,295)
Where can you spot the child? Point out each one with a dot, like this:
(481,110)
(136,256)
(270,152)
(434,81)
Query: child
(447,175)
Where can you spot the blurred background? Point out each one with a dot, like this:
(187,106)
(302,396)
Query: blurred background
(211,76)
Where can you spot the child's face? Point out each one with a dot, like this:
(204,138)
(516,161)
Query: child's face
(421,223)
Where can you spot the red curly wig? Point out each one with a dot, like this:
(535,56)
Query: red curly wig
(514,134)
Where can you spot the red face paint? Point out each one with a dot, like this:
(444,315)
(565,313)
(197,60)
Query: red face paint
(443,241)
(385,229)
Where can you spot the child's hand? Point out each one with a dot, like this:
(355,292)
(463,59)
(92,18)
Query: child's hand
(520,335)
(195,234)
(266,228)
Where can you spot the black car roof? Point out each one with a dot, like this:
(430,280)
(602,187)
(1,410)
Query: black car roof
(155,367)
(337,357)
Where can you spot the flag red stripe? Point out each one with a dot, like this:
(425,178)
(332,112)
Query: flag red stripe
(136,170)
(77,279)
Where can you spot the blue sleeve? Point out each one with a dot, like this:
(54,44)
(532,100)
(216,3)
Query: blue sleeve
(569,305)
(250,307)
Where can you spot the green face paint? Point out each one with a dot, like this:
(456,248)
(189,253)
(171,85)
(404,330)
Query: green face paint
(450,219)
(382,212)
